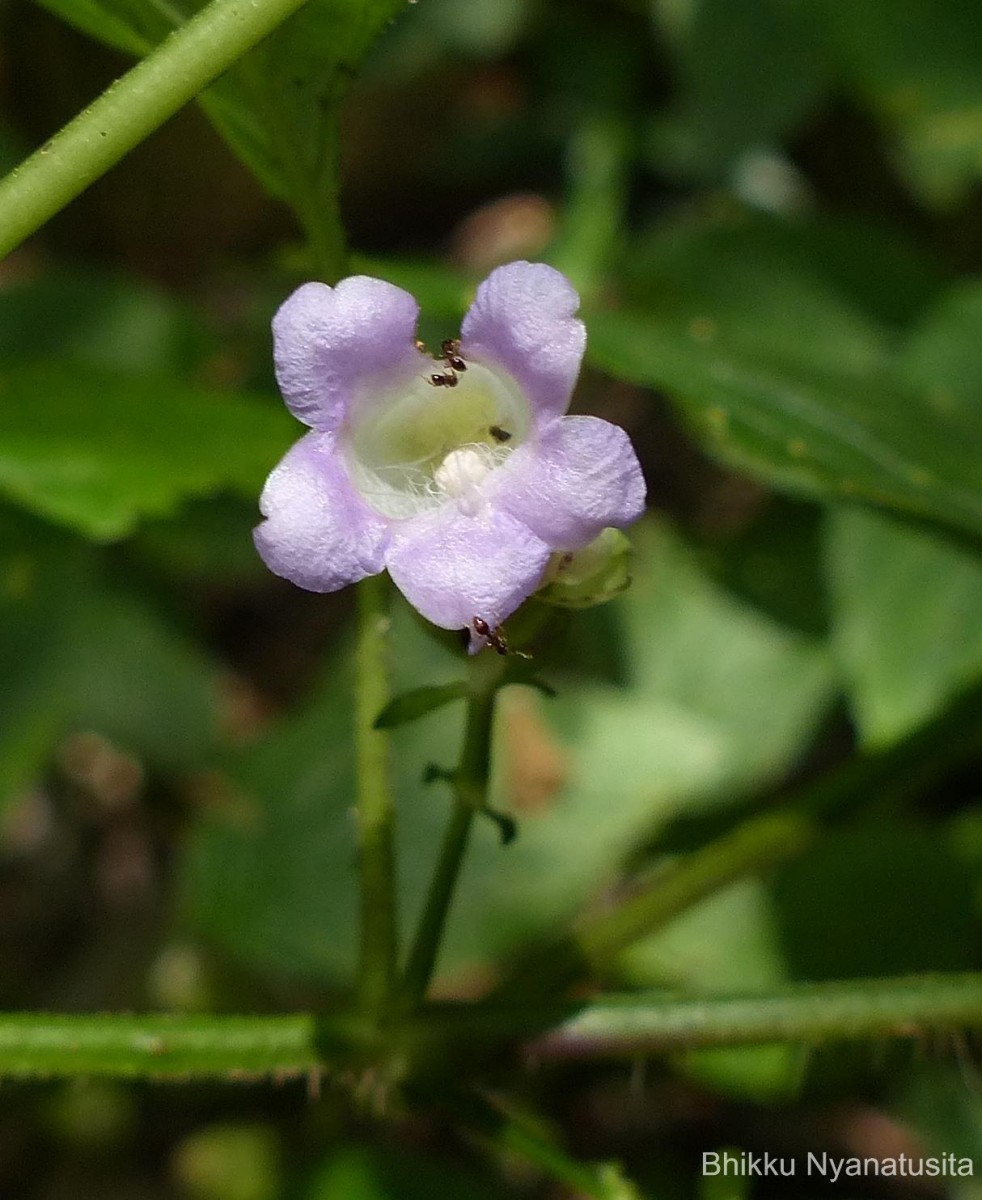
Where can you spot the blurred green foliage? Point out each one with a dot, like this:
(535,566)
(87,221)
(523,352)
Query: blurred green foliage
(772,209)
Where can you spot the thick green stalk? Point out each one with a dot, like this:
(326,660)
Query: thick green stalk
(811,1013)
(166,1047)
(131,109)
(375,808)
(38,1045)
(470,788)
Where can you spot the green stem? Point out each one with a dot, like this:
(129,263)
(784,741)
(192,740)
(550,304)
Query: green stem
(126,1046)
(132,108)
(470,787)
(375,809)
(242,1048)
(749,850)
(599,938)
(813,1012)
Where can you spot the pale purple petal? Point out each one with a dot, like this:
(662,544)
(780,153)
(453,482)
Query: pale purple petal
(318,532)
(328,341)
(523,320)
(453,568)
(578,477)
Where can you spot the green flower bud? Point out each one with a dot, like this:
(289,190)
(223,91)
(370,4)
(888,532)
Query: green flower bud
(593,575)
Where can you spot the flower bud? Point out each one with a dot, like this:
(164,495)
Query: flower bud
(593,575)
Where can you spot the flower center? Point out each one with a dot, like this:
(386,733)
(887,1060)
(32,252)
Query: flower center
(415,446)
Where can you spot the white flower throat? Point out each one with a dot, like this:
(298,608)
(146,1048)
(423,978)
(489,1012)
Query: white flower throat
(416,446)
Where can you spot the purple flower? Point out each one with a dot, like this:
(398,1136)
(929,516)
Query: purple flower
(462,475)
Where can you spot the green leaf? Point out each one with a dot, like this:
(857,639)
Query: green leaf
(98,450)
(78,655)
(865,272)
(946,1113)
(781,375)
(908,605)
(922,918)
(139,682)
(906,620)
(42,575)
(277,107)
(102,320)
(943,354)
(526,1136)
(269,871)
(410,706)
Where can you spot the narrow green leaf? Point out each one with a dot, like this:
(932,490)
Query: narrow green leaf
(410,706)
(529,1137)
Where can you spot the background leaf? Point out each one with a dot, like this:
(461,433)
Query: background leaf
(80,655)
(718,699)
(918,64)
(906,620)
(730,99)
(783,375)
(97,451)
(277,107)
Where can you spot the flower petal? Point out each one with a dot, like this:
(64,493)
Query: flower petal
(523,320)
(578,477)
(318,532)
(327,341)
(453,567)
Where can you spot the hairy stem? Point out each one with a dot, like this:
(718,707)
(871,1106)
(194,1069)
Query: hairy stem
(470,788)
(127,1046)
(132,108)
(243,1048)
(375,808)
(814,1012)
